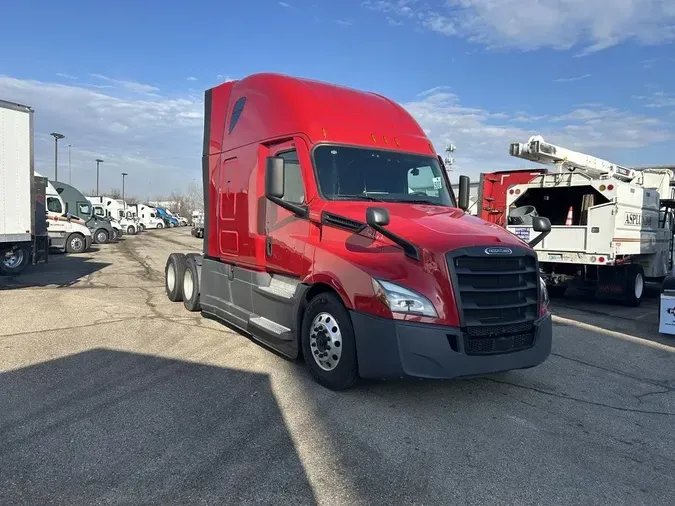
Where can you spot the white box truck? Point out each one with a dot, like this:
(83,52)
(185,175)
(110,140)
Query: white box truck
(18,240)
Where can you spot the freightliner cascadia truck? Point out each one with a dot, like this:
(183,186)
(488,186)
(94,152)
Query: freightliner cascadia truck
(331,234)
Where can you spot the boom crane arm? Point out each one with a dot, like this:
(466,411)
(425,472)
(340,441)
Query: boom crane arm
(538,150)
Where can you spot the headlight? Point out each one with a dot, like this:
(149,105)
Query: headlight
(402,300)
(543,298)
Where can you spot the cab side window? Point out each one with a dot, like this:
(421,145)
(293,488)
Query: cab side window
(294,188)
(53,205)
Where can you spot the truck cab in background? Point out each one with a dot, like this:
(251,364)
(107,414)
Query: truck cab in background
(149,217)
(169,220)
(315,244)
(115,211)
(76,204)
(67,233)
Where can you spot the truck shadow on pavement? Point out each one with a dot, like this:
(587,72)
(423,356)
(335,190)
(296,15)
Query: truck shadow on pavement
(111,427)
(61,271)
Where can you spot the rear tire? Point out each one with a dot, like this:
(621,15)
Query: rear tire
(191,285)
(328,344)
(16,263)
(634,285)
(173,276)
(76,243)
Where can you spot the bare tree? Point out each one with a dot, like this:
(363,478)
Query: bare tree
(113,194)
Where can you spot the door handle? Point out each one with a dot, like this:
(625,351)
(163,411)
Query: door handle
(268,246)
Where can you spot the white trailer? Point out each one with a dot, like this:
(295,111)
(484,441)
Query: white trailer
(20,239)
(612,226)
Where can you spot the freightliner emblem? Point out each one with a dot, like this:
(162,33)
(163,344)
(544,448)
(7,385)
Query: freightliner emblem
(498,251)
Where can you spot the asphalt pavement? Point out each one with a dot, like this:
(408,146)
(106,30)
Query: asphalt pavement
(111,394)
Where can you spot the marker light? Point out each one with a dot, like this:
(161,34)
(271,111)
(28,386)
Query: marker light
(602,188)
(610,187)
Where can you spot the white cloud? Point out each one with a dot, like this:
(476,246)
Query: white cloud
(394,22)
(658,99)
(144,89)
(66,76)
(286,5)
(593,25)
(482,138)
(571,79)
(156,140)
(191,78)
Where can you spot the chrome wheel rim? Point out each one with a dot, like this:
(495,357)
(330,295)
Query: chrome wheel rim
(188,285)
(171,277)
(325,341)
(76,243)
(639,286)
(14,260)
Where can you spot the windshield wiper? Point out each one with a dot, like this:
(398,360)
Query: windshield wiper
(358,197)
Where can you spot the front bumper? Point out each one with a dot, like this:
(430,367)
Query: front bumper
(388,349)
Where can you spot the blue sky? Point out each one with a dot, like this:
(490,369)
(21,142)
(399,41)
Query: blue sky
(124,80)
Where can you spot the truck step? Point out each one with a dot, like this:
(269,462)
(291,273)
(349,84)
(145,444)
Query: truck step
(270,326)
(281,287)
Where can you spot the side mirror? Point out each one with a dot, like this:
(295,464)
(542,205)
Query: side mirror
(377,217)
(540,224)
(464,183)
(274,177)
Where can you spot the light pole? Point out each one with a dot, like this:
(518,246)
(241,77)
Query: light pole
(124,174)
(70,169)
(98,161)
(56,136)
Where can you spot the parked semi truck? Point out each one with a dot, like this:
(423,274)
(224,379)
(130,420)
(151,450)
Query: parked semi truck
(612,225)
(102,230)
(149,217)
(315,245)
(164,214)
(23,233)
(116,211)
(67,233)
(197,224)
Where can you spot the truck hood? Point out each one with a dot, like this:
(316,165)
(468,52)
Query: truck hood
(438,228)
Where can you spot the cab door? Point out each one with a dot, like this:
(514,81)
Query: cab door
(286,235)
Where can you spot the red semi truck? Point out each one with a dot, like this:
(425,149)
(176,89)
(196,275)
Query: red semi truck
(331,233)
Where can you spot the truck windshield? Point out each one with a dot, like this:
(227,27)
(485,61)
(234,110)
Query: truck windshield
(350,173)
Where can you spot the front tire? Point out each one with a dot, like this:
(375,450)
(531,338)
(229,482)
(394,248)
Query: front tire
(174,271)
(16,263)
(131,230)
(76,244)
(160,225)
(328,343)
(101,236)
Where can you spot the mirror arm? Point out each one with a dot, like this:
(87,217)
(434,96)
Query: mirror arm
(538,239)
(409,248)
(300,211)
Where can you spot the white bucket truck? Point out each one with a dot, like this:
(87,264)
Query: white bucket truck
(612,227)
